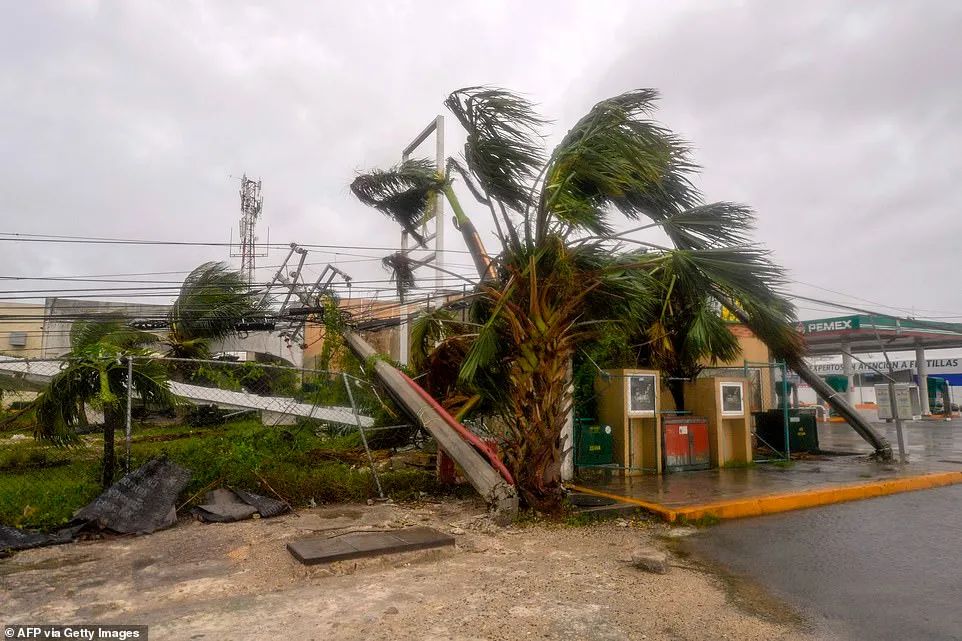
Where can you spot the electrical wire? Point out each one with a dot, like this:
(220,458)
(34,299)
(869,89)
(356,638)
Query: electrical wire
(97,240)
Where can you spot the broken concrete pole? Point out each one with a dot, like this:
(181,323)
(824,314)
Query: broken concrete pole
(501,496)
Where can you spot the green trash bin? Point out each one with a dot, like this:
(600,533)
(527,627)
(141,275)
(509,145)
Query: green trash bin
(594,445)
(802,429)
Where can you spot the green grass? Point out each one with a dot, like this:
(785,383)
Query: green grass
(42,486)
(37,482)
(709,520)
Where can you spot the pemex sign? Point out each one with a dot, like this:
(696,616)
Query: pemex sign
(824,325)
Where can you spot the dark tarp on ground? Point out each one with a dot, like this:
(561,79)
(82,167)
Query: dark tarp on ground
(228,505)
(266,507)
(141,502)
(12,539)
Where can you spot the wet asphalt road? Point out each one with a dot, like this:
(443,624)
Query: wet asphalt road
(885,568)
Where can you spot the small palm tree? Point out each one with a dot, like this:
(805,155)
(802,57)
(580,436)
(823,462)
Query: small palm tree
(96,374)
(214,302)
(564,278)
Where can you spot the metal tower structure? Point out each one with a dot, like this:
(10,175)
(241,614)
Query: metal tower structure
(432,230)
(290,282)
(252,203)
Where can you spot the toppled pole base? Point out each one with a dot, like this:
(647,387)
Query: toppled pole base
(500,495)
(883,449)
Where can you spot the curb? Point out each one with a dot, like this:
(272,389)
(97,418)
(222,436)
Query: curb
(774,503)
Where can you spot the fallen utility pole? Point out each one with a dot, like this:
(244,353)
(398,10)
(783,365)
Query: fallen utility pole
(883,449)
(501,496)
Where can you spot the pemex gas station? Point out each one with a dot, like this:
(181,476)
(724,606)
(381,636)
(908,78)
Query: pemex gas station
(707,460)
(855,337)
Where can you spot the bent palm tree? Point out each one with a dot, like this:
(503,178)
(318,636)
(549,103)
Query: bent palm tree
(96,374)
(564,277)
(213,303)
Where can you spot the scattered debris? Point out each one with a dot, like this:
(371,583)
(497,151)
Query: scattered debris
(12,539)
(226,505)
(650,559)
(141,502)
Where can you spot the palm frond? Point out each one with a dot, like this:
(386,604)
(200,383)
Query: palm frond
(482,352)
(95,374)
(85,333)
(212,303)
(628,294)
(746,278)
(615,155)
(772,321)
(461,170)
(427,330)
(59,407)
(404,192)
(503,149)
(711,225)
(402,271)
(706,337)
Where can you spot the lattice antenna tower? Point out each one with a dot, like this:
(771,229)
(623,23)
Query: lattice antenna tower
(252,204)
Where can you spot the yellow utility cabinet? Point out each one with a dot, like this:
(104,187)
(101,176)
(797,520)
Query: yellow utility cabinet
(629,400)
(724,402)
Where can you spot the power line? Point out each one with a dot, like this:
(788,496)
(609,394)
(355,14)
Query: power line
(910,312)
(93,240)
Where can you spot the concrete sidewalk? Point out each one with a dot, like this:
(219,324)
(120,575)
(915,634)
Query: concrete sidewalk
(935,459)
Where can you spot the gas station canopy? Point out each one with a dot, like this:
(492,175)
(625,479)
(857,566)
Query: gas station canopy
(862,333)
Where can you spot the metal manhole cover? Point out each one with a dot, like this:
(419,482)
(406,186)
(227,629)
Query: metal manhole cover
(588,500)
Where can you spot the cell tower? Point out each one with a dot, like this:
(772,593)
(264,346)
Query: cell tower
(251,205)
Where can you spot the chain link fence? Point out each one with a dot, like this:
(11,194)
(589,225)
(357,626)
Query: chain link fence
(304,436)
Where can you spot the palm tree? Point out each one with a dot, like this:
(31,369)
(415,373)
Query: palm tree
(96,374)
(214,303)
(564,277)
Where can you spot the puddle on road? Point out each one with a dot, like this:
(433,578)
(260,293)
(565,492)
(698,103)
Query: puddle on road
(743,592)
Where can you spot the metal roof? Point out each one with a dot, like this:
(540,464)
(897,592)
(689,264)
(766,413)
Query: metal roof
(868,333)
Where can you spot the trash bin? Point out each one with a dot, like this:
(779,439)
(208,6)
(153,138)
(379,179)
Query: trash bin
(594,444)
(802,429)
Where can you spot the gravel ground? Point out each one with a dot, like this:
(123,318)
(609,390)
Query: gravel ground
(535,580)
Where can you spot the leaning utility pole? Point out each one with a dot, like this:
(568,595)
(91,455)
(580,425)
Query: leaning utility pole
(251,205)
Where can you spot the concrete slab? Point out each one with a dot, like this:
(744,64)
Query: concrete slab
(357,545)
(935,459)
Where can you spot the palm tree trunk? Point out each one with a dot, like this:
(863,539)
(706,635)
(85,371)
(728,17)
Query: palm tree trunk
(539,401)
(482,262)
(676,385)
(112,420)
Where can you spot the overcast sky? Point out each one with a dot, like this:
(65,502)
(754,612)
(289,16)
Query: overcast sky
(838,122)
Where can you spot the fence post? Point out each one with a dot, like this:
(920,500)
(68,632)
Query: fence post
(785,413)
(357,419)
(130,397)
